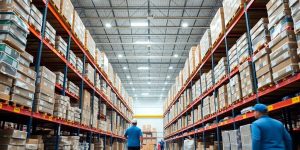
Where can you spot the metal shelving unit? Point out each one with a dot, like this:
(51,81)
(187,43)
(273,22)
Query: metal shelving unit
(244,19)
(42,50)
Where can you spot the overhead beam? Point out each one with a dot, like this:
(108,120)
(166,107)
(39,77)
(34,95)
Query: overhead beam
(145,7)
(148,27)
(145,63)
(144,51)
(151,43)
(148,57)
(146,35)
(148,18)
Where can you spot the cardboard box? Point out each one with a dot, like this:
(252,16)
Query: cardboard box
(45,86)
(22,8)
(8,65)
(5,91)
(67,8)
(217,25)
(6,80)
(230,9)
(11,133)
(22,92)
(44,97)
(90,44)
(205,43)
(61,45)
(46,73)
(192,57)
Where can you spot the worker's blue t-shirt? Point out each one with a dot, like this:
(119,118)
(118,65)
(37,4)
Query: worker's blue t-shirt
(133,135)
(270,134)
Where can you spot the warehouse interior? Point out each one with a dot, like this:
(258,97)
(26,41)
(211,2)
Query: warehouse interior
(75,74)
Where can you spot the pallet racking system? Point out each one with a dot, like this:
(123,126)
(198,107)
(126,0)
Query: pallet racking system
(45,54)
(245,18)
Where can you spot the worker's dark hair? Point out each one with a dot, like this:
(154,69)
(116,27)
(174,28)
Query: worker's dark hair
(134,124)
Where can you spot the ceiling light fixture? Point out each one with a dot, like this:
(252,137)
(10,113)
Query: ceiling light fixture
(176,55)
(143,42)
(168,77)
(163,89)
(184,25)
(145,94)
(130,83)
(120,55)
(139,24)
(166,82)
(125,68)
(143,68)
(133,89)
(108,25)
(149,82)
(171,67)
(128,77)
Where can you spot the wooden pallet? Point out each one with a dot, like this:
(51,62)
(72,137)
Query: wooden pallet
(263,88)
(89,80)
(44,113)
(233,18)
(65,20)
(286,77)
(49,41)
(218,39)
(244,59)
(15,104)
(260,47)
(34,27)
(54,6)
(249,95)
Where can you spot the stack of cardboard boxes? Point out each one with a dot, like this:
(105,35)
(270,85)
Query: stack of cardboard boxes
(12,139)
(70,113)
(50,33)
(294,5)
(223,96)
(79,65)
(78,27)
(233,57)
(77,113)
(35,143)
(35,18)
(260,35)
(243,48)
(72,58)
(89,72)
(217,26)
(263,68)
(203,83)
(44,98)
(234,89)
(221,69)
(99,145)
(22,8)
(96,112)
(90,44)
(205,43)
(86,108)
(246,137)
(63,142)
(209,79)
(230,9)
(61,45)
(59,78)
(225,140)
(66,9)
(246,76)
(283,45)
(24,85)
(206,106)
(237,139)
(213,104)
(61,106)
(72,88)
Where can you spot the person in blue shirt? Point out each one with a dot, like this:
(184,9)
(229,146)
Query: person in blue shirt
(268,133)
(134,137)
(162,144)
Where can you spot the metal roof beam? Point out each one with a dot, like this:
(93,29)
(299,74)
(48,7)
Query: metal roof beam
(145,35)
(149,27)
(146,63)
(146,7)
(150,43)
(149,18)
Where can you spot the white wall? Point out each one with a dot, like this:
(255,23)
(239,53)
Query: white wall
(150,107)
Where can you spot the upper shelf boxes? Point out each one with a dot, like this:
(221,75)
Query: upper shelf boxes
(217,26)
(21,7)
(260,35)
(90,44)
(35,18)
(67,9)
(230,9)
(78,27)
(192,57)
(205,43)
(56,3)
(295,9)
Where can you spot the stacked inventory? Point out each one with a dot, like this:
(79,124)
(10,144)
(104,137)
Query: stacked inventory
(24,84)
(246,76)
(61,45)
(61,105)
(89,72)
(72,58)
(86,108)
(35,143)
(246,138)
(220,70)
(294,5)
(223,96)
(63,142)
(35,18)
(263,68)
(77,112)
(44,98)
(74,142)
(233,57)
(234,89)
(59,78)
(260,35)
(96,111)
(283,45)
(209,79)
(78,27)
(230,9)
(243,48)
(90,45)
(225,140)
(66,9)
(203,83)
(79,65)
(213,105)
(22,8)
(235,139)
(192,59)
(205,43)
(11,139)
(70,113)
(72,88)
(50,33)
(99,145)
(206,106)
(150,137)
(217,26)
(196,90)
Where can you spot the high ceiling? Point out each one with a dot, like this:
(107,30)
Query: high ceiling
(147,58)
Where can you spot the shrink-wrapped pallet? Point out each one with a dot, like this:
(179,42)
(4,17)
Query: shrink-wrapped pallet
(217,26)
(56,3)
(78,27)
(205,43)
(192,57)
(67,8)
(230,9)
(90,44)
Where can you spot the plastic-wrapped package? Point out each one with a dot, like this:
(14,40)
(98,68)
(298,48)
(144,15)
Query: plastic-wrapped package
(90,44)
(217,26)
(78,27)
(67,8)
(205,43)
(230,9)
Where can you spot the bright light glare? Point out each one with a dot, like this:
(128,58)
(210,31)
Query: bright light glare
(143,42)
(176,55)
(168,77)
(143,68)
(130,83)
(184,25)
(166,82)
(171,67)
(145,94)
(125,68)
(163,89)
(139,24)
(128,77)
(133,89)
(120,55)
(149,82)
(108,25)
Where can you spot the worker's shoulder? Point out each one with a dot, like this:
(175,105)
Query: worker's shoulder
(268,120)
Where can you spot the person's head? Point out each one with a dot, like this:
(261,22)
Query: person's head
(189,137)
(162,140)
(134,122)
(260,110)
